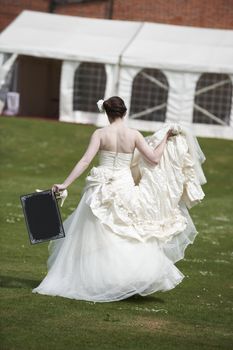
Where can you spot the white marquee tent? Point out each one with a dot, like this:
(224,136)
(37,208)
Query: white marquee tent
(190,70)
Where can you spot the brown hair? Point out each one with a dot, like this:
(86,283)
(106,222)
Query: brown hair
(115,107)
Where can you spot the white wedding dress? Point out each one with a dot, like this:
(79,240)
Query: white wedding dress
(131,225)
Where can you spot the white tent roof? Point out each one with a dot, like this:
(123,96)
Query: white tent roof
(179,47)
(109,41)
(67,37)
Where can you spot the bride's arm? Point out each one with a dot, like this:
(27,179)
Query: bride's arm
(83,163)
(152,155)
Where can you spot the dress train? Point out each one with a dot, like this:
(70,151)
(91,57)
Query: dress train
(131,225)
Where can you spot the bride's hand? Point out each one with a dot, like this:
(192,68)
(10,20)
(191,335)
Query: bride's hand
(58,187)
(170,133)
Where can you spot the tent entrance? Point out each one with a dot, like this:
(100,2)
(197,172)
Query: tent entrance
(38,82)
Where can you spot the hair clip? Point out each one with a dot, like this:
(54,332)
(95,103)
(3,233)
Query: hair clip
(100,105)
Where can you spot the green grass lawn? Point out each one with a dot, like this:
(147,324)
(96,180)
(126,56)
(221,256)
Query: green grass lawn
(197,314)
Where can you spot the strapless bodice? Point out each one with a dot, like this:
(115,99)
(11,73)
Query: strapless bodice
(115,159)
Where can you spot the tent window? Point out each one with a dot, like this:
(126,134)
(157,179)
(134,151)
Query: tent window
(213,96)
(89,86)
(149,96)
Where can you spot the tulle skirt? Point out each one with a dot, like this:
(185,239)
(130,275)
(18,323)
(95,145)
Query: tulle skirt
(93,263)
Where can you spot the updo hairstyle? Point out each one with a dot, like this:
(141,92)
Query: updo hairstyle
(115,107)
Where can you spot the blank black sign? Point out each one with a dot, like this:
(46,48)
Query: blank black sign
(42,216)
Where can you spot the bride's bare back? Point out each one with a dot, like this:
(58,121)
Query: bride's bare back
(117,138)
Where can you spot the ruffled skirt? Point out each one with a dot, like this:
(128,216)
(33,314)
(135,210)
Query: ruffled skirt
(94,263)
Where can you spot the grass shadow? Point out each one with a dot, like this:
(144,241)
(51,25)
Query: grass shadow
(137,298)
(16,282)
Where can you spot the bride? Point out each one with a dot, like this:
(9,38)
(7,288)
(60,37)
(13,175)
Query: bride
(132,222)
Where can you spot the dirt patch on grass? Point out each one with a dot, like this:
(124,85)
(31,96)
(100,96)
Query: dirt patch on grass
(150,324)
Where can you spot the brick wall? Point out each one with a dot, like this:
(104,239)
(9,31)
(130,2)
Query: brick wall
(200,13)
(9,9)
(97,9)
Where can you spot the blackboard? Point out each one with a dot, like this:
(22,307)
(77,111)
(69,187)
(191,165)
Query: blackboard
(42,216)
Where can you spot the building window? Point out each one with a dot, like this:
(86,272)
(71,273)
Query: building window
(213,96)
(89,86)
(149,96)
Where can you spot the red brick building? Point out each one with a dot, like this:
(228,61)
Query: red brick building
(199,13)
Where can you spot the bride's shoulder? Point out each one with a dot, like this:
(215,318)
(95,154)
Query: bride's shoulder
(135,132)
(103,128)
(132,130)
(100,130)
